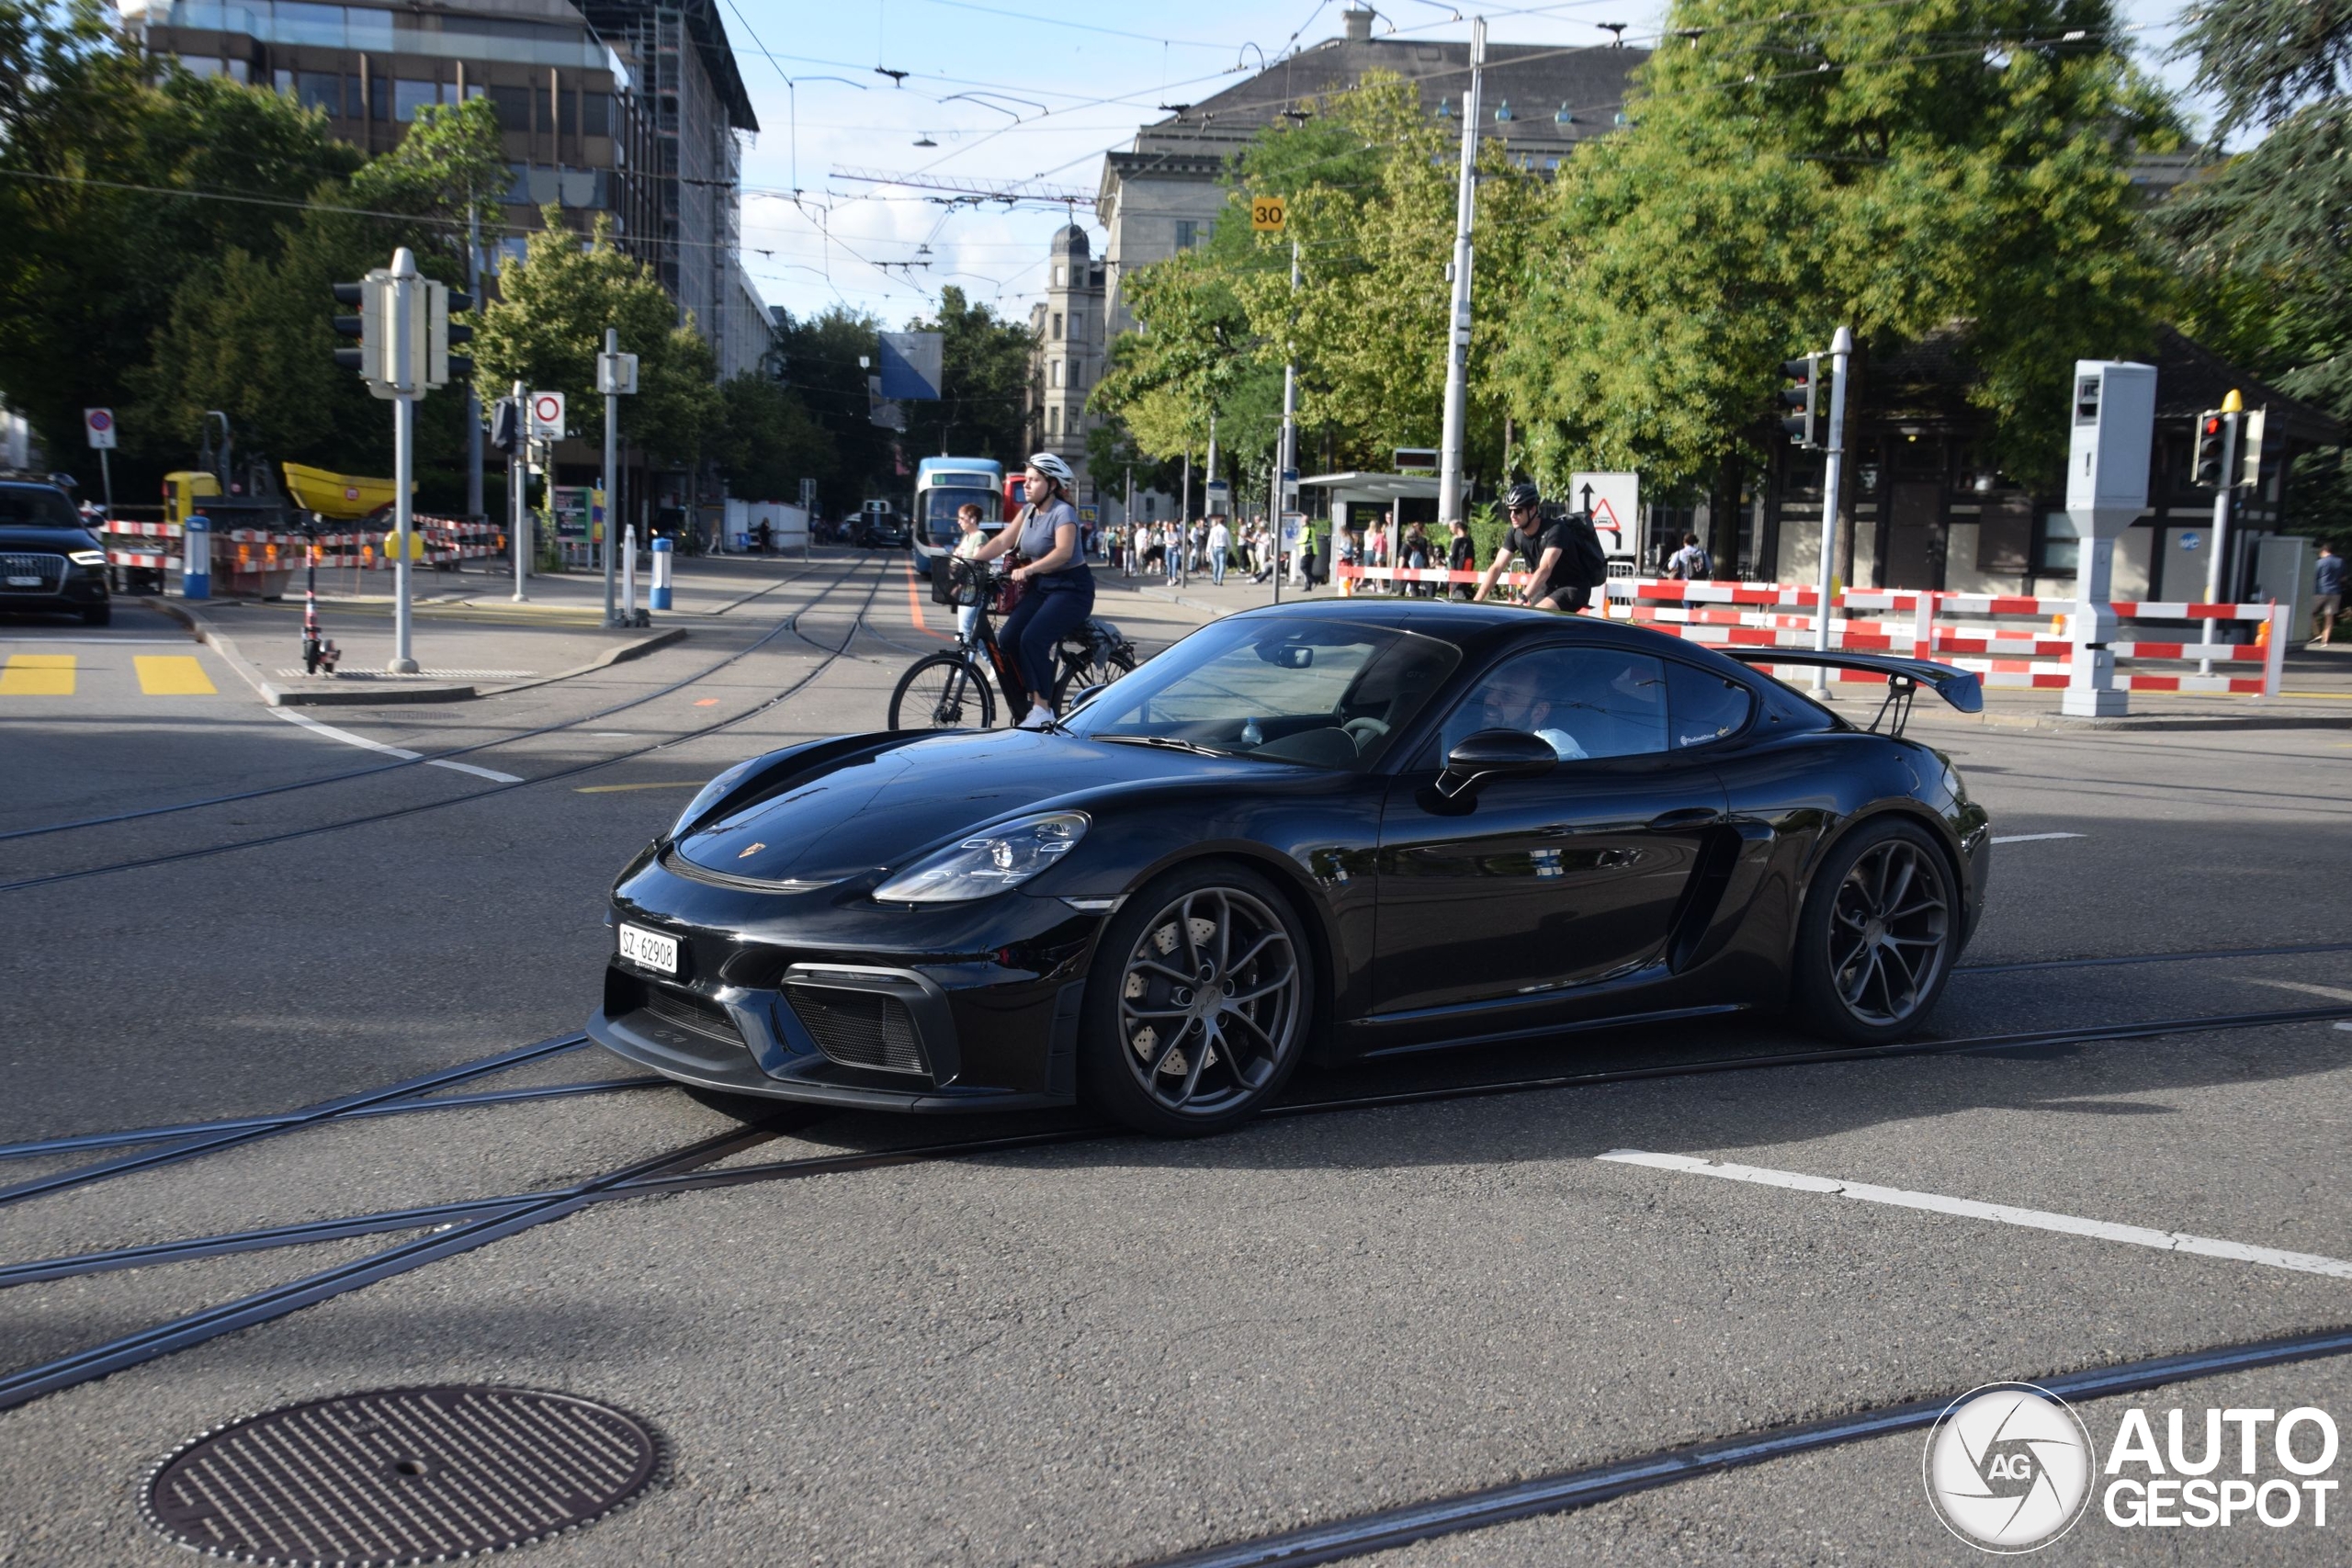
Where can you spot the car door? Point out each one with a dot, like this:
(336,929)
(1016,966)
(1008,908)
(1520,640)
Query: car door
(1540,883)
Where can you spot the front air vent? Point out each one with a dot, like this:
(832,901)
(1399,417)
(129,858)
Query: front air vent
(860,1029)
(690,1011)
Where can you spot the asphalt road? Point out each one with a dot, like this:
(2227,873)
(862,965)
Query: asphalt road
(1107,1350)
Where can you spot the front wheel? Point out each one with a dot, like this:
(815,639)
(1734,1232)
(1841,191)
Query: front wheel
(943,691)
(1198,1003)
(1878,936)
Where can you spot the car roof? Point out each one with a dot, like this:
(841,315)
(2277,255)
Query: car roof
(1484,631)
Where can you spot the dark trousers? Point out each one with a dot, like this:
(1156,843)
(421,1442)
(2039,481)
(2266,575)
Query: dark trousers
(1037,623)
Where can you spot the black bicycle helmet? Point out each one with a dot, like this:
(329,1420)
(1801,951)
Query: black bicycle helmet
(1521,495)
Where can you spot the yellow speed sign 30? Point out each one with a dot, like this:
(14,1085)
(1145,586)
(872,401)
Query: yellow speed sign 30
(1268,214)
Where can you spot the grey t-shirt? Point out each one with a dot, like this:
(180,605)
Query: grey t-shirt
(1037,525)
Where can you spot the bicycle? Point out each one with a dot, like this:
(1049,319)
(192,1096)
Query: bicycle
(948,690)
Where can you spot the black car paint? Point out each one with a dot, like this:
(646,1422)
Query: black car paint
(81,589)
(1702,860)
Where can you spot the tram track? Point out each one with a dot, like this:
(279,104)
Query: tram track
(146,813)
(397,813)
(473,1223)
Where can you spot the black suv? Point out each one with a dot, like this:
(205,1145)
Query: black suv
(48,560)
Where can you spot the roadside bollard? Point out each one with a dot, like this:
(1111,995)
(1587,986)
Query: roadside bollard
(196,566)
(661,553)
(628,575)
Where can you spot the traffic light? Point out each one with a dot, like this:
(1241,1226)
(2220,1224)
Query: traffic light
(506,425)
(368,326)
(2213,434)
(1804,429)
(441,334)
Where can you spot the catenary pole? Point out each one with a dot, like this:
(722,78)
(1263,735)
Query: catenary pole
(473,398)
(1841,350)
(408,383)
(1286,486)
(519,515)
(1457,354)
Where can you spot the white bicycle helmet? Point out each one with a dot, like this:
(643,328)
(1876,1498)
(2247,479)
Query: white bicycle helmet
(1053,468)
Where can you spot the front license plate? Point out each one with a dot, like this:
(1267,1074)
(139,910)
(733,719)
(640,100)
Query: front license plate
(24,583)
(649,949)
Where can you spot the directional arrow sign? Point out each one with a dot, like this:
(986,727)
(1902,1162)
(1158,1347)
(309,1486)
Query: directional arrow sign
(1614,501)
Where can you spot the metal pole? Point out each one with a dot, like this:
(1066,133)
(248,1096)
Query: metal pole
(1841,348)
(1457,354)
(407,379)
(2217,569)
(518,515)
(106,480)
(473,398)
(1286,486)
(612,513)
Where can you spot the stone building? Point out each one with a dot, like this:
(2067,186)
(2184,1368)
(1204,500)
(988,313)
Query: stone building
(1067,360)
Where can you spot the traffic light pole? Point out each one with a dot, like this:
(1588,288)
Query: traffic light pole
(518,514)
(1457,352)
(1841,349)
(473,399)
(612,419)
(407,379)
(1286,486)
(2217,566)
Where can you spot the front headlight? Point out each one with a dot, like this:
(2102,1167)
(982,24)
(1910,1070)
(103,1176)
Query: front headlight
(987,862)
(88,558)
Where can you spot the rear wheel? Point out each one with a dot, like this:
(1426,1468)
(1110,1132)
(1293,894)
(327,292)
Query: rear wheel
(1878,936)
(943,691)
(1197,1009)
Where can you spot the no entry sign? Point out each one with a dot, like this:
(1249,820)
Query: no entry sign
(547,415)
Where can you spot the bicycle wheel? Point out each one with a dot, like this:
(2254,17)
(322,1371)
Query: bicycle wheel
(943,691)
(1077,677)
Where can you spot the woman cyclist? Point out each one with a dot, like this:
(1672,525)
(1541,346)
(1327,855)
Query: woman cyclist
(1061,586)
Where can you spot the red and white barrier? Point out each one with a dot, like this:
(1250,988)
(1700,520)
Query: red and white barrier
(158,547)
(1961,629)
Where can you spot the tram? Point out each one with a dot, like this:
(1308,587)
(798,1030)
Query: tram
(944,485)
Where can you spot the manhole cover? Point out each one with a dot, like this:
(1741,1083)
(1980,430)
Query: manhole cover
(401,1475)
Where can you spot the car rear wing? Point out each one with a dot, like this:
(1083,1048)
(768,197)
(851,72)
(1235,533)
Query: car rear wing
(1961,688)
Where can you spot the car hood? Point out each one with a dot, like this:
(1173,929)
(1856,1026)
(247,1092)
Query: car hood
(873,810)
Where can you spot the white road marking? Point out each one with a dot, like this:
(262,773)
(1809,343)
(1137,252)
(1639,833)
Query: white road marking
(1967,1208)
(290,717)
(2333,993)
(2034,838)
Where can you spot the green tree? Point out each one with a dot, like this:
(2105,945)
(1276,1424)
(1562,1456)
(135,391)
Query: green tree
(1899,169)
(821,364)
(984,381)
(113,169)
(548,325)
(2262,242)
(767,443)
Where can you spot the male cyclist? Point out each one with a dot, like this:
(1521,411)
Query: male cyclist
(1546,547)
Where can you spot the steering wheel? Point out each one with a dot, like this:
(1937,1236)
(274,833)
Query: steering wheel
(1365,731)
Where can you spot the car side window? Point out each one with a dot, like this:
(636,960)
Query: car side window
(1585,702)
(1705,707)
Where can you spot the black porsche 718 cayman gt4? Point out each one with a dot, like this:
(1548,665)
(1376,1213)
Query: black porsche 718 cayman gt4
(1325,831)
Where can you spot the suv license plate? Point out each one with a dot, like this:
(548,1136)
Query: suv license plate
(649,949)
(24,583)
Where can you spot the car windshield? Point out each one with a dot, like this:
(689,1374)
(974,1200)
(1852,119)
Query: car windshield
(1327,693)
(940,505)
(35,506)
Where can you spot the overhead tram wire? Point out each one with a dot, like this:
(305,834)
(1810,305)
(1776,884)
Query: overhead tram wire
(660,1174)
(395,814)
(374,769)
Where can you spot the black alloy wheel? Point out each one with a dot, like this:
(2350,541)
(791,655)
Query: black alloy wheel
(1881,930)
(1197,1009)
(943,691)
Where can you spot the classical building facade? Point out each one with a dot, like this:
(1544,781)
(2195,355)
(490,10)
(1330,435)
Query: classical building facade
(1067,327)
(1163,193)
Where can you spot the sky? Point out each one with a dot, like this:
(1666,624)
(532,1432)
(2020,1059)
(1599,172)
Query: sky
(1033,91)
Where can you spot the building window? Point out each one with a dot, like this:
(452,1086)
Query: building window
(1053,373)
(1186,233)
(2060,549)
(513,107)
(1056,333)
(1061,275)
(1054,420)
(409,96)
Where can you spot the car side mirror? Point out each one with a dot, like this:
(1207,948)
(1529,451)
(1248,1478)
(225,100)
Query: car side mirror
(1086,695)
(1490,754)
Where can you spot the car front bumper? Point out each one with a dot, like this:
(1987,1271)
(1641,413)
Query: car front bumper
(777,996)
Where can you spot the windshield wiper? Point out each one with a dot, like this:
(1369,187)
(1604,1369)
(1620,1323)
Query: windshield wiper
(1168,740)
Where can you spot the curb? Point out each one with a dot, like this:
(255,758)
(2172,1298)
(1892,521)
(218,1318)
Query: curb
(362,693)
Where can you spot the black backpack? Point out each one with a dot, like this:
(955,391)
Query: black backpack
(1583,562)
